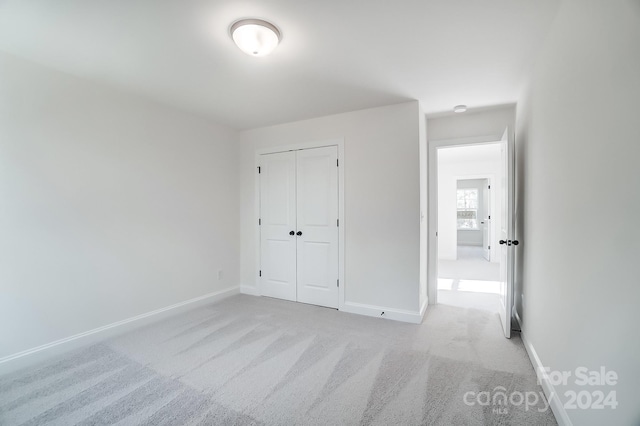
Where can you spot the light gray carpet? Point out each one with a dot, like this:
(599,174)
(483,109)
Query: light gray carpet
(470,265)
(462,299)
(250,360)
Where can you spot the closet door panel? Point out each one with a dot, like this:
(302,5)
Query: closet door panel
(317,220)
(278,219)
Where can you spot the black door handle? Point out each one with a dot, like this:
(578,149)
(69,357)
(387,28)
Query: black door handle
(502,242)
(299,233)
(291,233)
(515,242)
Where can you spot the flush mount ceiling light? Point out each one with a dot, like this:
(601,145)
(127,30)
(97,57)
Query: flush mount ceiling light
(255,37)
(459,108)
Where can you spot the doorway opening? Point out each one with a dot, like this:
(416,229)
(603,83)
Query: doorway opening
(468,206)
(471,251)
(473,216)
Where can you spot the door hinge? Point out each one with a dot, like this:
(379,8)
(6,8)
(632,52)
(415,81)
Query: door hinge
(489,186)
(258,169)
(337,283)
(489,217)
(337,222)
(337,162)
(260,273)
(259,221)
(489,248)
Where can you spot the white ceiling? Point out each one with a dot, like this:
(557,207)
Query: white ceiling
(335,56)
(470,153)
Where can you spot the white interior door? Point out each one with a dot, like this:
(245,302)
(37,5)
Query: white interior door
(506,255)
(317,232)
(486,220)
(278,224)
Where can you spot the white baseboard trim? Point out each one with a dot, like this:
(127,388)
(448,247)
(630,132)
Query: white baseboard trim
(543,378)
(362,309)
(31,356)
(249,289)
(413,317)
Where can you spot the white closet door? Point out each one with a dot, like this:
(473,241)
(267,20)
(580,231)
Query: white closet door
(317,231)
(278,224)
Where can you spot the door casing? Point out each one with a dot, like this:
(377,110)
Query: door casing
(339,143)
(432,224)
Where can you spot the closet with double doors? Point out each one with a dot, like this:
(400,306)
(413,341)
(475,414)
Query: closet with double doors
(299,225)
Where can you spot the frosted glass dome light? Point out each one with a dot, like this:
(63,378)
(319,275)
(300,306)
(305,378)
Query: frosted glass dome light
(255,37)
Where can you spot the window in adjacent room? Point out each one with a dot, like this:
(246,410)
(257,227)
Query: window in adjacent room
(467,208)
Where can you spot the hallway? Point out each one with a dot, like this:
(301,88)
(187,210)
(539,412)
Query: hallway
(469,282)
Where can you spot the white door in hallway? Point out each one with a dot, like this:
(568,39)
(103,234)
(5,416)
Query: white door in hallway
(507,240)
(317,218)
(277,225)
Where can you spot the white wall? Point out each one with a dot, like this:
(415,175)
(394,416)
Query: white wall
(578,151)
(471,124)
(382,199)
(448,175)
(110,206)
